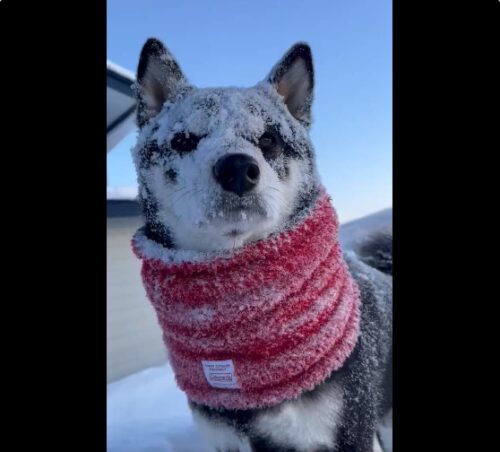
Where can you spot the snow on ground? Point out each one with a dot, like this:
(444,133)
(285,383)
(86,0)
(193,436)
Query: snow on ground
(148,413)
(354,232)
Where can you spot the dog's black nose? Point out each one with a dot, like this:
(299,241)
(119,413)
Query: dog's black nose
(238,173)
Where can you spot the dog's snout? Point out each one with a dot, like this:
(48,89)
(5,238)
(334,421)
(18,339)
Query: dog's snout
(238,173)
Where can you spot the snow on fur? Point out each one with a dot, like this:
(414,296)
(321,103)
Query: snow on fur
(227,121)
(285,310)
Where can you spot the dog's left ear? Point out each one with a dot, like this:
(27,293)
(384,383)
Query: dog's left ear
(159,78)
(293,78)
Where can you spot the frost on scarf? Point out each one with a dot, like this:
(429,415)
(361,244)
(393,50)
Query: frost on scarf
(283,312)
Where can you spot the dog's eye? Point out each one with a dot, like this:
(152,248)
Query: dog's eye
(266,141)
(184,143)
(270,145)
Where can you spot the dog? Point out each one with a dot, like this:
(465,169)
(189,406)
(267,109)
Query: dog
(220,168)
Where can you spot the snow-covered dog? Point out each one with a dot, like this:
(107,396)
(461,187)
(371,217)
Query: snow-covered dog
(227,176)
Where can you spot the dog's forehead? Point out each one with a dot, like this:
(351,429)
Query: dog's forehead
(242,111)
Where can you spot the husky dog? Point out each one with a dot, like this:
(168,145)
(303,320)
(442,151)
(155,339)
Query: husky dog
(219,168)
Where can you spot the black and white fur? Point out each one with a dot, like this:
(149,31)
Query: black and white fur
(196,195)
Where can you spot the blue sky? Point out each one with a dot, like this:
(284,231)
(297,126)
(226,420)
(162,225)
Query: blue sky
(236,42)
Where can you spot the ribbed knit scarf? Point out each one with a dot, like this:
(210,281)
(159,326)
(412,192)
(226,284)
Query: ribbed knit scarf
(259,325)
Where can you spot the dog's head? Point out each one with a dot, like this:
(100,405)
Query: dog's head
(221,167)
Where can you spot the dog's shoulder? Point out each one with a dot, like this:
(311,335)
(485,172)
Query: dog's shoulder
(375,286)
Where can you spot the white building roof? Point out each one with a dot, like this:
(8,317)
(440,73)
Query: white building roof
(120,103)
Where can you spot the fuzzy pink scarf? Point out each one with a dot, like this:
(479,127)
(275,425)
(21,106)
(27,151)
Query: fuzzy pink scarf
(259,325)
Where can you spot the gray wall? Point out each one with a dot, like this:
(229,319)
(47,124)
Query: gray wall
(133,335)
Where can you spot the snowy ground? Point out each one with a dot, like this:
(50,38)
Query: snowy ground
(354,232)
(148,413)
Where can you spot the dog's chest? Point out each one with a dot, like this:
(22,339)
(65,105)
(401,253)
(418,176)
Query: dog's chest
(305,424)
(220,436)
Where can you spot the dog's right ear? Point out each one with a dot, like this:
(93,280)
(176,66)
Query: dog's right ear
(159,78)
(293,78)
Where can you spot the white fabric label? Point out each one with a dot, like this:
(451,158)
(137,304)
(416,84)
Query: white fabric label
(220,374)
